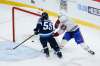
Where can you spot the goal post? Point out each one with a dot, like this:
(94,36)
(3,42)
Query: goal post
(14,21)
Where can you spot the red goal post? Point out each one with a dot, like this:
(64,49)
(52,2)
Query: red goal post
(13,19)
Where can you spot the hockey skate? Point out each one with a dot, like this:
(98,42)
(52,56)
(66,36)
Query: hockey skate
(87,48)
(91,52)
(59,54)
(46,52)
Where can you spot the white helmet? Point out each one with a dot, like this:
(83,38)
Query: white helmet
(63,17)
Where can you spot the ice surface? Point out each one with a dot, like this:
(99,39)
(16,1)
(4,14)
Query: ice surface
(28,54)
(18,54)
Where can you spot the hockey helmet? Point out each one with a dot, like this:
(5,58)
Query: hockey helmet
(44,15)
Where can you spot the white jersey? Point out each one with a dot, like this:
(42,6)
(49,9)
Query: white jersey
(70,26)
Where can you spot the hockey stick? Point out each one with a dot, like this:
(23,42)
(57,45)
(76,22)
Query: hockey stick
(23,41)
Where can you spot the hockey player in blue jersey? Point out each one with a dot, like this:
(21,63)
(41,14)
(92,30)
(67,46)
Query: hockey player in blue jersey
(45,29)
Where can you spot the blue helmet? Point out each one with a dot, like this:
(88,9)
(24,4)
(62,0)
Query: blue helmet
(44,15)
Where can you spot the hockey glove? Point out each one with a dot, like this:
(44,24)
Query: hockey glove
(36,32)
(56,34)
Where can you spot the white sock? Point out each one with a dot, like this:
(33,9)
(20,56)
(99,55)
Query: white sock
(85,47)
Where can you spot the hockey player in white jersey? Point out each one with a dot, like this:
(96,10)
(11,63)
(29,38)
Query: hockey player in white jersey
(64,24)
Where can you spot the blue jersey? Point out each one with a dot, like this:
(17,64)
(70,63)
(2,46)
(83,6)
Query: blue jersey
(44,27)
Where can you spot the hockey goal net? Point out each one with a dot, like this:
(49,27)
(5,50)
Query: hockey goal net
(23,23)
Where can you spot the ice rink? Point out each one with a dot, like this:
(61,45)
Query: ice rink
(29,53)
